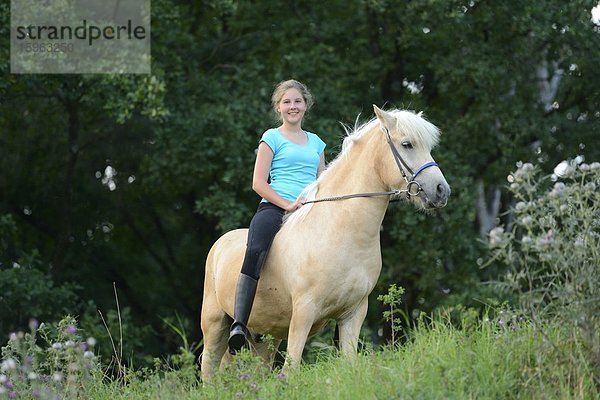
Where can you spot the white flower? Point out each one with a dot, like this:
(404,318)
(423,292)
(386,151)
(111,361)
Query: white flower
(527,167)
(558,189)
(57,346)
(595,165)
(527,220)
(69,343)
(88,354)
(3,378)
(32,376)
(584,167)
(521,206)
(8,364)
(526,240)
(496,236)
(91,341)
(563,169)
(57,377)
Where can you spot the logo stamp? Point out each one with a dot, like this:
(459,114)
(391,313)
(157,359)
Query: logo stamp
(80,37)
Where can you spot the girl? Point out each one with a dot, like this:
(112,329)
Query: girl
(292,158)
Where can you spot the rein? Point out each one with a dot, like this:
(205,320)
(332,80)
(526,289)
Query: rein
(402,166)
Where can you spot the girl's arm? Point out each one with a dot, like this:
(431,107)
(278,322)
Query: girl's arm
(260,179)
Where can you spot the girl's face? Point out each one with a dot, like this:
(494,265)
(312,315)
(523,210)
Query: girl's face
(292,106)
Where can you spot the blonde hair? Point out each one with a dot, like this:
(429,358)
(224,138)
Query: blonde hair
(283,86)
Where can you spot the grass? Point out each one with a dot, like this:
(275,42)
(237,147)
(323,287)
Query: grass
(438,362)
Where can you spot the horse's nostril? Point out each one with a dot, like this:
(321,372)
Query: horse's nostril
(442,191)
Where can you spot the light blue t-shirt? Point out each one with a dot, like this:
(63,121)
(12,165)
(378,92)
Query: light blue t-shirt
(294,166)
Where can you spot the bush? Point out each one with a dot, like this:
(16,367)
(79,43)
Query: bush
(552,250)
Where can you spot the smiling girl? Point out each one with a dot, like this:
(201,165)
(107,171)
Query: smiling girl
(288,160)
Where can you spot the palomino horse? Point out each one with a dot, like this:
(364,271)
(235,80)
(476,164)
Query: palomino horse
(326,259)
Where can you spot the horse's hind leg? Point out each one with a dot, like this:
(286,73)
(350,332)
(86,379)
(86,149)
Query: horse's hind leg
(215,327)
(349,329)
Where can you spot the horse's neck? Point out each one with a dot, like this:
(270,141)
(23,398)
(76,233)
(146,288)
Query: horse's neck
(357,172)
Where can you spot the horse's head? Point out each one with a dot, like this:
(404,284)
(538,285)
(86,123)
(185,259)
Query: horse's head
(408,164)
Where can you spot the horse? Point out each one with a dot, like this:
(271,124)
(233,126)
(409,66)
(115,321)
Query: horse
(326,259)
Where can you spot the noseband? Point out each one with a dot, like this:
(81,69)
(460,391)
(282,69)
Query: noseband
(402,166)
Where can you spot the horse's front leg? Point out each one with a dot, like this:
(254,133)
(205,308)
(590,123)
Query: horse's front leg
(349,329)
(303,317)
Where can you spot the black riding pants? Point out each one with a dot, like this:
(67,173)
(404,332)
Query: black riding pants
(263,227)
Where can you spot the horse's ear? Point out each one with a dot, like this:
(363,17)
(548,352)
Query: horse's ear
(385,119)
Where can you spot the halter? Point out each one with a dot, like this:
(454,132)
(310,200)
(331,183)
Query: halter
(402,166)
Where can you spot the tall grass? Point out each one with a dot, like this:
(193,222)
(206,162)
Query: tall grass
(493,359)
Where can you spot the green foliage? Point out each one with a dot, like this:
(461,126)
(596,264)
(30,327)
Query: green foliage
(488,361)
(392,299)
(552,249)
(27,290)
(49,362)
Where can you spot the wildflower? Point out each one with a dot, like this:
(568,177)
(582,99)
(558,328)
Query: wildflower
(12,336)
(328,381)
(521,206)
(8,364)
(91,341)
(564,208)
(57,346)
(595,165)
(496,236)
(69,343)
(527,220)
(244,377)
(33,324)
(72,329)
(57,377)
(12,395)
(32,376)
(558,189)
(547,239)
(3,378)
(253,385)
(591,186)
(527,167)
(584,167)
(88,354)
(563,169)
(281,376)
(525,240)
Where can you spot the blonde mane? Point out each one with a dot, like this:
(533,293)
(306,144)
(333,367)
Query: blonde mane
(413,127)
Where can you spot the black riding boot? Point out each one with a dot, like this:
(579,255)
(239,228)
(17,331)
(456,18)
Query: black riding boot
(244,297)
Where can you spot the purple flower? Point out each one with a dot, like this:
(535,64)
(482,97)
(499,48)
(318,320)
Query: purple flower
(33,324)
(244,377)
(12,395)
(281,376)
(72,329)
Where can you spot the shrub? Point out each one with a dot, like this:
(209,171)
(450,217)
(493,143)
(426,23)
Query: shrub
(552,251)
(48,362)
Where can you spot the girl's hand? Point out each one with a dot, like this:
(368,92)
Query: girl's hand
(291,207)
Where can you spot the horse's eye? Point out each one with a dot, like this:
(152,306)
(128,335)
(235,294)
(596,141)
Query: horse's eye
(407,145)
